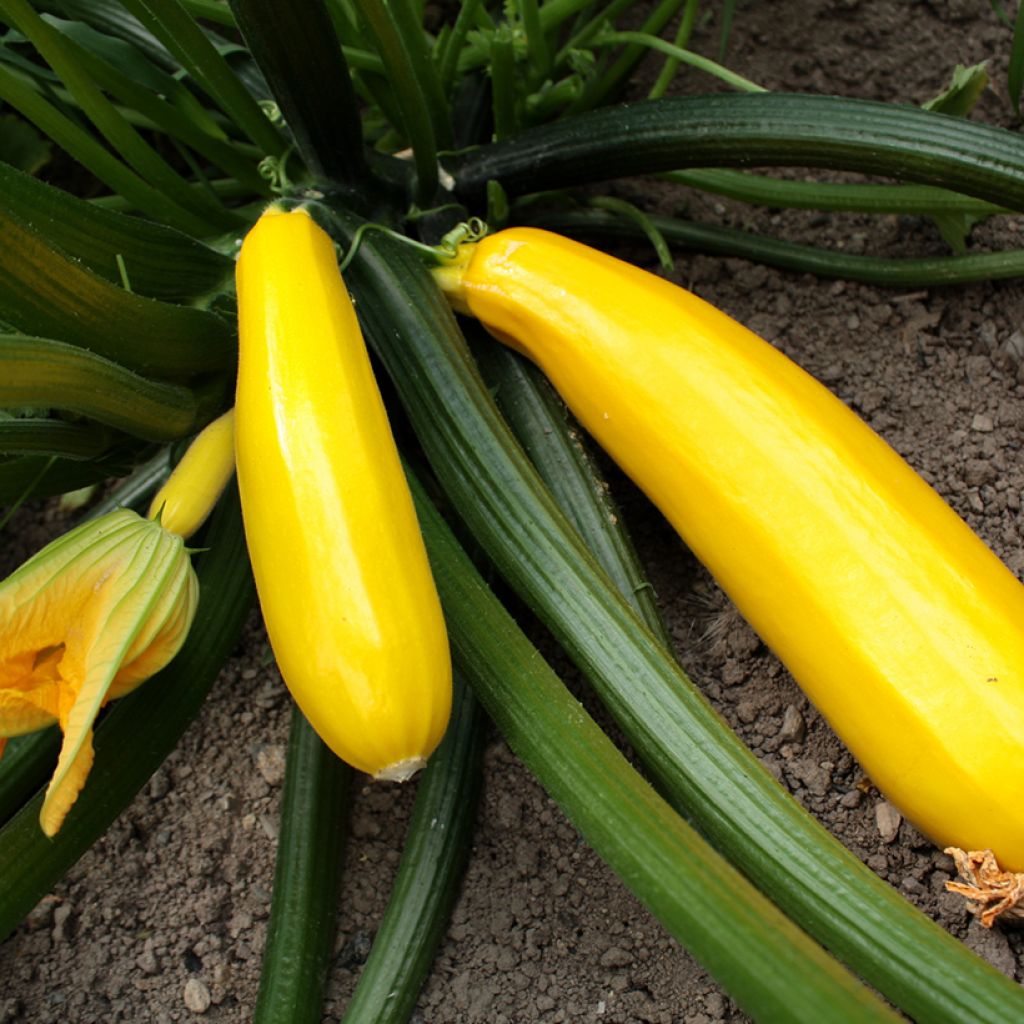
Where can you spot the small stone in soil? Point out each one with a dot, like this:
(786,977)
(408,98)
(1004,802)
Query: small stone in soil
(888,819)
(197,996)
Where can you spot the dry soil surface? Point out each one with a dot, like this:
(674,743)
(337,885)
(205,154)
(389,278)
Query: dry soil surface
(165,919)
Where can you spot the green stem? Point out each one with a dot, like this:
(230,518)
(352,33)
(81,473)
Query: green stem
(428,875)
(771,968)
(536,41)
(409,24)
(583,36)
(307,881)
(136,489)
(1015,72)
(503,84)
(555,445)
(553,14)
(761,190)
(210,10)
(683,33)
(922,272)
(453,46)
(681,56)
(363,60)
(646,224)
(747,129)
(607,84)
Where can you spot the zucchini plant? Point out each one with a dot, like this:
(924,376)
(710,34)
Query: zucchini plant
(395,132)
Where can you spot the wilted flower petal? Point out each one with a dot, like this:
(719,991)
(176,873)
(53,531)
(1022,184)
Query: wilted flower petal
(86,620)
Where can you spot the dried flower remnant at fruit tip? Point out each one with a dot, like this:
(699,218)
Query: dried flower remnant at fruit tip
(992,893)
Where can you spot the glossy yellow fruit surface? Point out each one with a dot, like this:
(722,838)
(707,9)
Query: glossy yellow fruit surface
(191,491)
(897,621)
(341,571)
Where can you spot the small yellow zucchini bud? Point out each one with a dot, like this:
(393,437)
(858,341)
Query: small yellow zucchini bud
(897,621)
(341,570)
(199,479)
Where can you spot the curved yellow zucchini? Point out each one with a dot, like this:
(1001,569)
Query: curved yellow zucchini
(341,571)
(898,622)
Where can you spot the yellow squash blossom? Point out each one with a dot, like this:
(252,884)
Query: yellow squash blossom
(86,620)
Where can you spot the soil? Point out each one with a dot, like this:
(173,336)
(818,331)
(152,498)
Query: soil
(165,919)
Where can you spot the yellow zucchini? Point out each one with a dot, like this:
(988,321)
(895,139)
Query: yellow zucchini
(340,566)
(898,622)
(191,491)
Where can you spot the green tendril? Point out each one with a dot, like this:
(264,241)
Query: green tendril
(275,170)
(272,112)
(471,230)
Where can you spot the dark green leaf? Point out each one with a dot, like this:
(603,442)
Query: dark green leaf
(52,374)
(199,53)
(22,146)
(25,436)
(1015,74)
(171,108)
(421,122)
(121,54)
(40,476)
(963,91)
(26,763)
(64,58)
(110,17)
(26,97)
(43,292)
(160,262)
